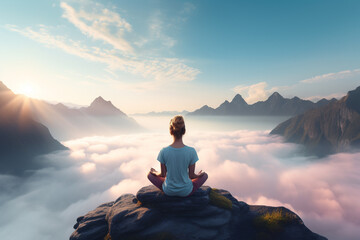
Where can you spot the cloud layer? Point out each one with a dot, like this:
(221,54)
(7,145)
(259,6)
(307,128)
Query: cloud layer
(253,166)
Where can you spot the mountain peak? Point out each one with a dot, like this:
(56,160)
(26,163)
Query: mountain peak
(205,107)
(100,99)
(276,94)
(60,105)
(102,107)
(238,99)
(6,95)
(275,97)
(3,87)
(353,99)
(101,102)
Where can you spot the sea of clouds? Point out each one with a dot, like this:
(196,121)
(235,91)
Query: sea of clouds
(253,166)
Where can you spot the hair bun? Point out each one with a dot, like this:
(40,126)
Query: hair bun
(177,126)
(177,122)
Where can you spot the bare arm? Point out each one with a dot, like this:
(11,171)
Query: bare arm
(192,173)
(162,171)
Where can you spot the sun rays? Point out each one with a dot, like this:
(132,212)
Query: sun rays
(28,90)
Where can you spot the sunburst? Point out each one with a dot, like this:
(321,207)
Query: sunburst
(27,89)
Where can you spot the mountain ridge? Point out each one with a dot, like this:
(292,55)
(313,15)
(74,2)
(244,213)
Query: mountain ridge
(22,138)
(275,105)
(330,129)
(161,113)
(101,117)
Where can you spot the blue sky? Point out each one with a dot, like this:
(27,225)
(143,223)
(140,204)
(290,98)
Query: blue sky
(175,55)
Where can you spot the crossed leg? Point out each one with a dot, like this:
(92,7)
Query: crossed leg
(156,180)
(197,182)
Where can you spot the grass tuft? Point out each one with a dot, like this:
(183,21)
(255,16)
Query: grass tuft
(273,222)
(219,200)
(107,237)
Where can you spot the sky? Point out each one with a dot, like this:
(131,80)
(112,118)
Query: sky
(178,55)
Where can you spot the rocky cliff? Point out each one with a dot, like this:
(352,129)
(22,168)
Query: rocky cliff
(207,214)
(21,137)
(326,130)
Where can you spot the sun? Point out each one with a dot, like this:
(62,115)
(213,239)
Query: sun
(27,89)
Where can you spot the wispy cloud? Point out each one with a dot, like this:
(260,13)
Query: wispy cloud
(255,92)
(159,26)
(97,25)
(330,96)
(156,29)
(187,10)
(260,91)
(114,51)
(332,76)
(43,36)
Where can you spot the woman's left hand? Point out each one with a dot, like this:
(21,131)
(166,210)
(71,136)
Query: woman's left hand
(153,171)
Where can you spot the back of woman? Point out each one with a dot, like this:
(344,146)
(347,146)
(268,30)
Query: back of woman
(177,163)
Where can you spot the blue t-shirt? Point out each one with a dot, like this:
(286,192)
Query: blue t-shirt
(177,162)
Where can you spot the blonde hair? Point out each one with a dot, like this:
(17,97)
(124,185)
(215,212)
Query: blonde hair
(177,126)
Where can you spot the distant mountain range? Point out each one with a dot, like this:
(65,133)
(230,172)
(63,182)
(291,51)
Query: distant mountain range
(21,137)
(275,105)
(328,129)
(163,113)
(100,118)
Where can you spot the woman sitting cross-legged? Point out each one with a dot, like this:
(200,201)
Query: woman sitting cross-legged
(177,161)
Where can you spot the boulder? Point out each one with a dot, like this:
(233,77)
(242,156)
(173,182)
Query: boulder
(152,197)
(207,214)
(92,226)
(128,217)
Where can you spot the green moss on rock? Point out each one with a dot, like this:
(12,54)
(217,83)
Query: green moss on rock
(107,237)
(219,200)
(272,222)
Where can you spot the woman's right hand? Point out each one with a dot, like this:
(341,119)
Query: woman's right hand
(200,173)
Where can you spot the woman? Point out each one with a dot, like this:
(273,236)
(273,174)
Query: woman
(177,163)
